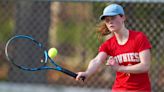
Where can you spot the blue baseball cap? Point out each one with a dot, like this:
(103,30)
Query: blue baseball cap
(112,10)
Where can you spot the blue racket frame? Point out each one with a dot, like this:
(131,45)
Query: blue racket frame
(45,67)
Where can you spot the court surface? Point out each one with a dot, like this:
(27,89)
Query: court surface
(15,87)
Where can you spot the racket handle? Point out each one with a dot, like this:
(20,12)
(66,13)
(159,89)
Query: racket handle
(72,74)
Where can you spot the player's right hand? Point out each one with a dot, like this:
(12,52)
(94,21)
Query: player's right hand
(81,76)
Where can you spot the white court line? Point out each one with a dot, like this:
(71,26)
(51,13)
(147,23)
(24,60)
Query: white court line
(15,87)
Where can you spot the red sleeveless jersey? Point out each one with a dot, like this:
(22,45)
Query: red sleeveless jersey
(128,54)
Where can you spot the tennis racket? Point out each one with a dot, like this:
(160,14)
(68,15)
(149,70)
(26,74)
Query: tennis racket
(28,54)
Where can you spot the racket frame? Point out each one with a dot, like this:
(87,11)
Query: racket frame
(45,67)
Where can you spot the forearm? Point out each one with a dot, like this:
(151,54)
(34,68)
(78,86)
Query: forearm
(95,63)
(143,66)
(93,66)
(138,68)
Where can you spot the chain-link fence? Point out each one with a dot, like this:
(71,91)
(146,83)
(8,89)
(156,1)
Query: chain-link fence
(71,28)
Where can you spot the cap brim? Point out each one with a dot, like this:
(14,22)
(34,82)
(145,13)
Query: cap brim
(111,14)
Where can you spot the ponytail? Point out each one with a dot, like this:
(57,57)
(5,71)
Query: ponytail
(102,30)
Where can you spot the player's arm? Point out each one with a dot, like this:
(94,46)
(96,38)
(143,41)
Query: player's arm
(93,65)
(143,66)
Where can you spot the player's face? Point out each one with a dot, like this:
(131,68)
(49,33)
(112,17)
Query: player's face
(114,23)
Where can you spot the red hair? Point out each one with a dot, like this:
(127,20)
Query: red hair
(102,30)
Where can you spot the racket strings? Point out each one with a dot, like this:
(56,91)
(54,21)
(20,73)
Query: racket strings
(26,53)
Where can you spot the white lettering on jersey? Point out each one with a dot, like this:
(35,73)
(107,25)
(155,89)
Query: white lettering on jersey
(127,57)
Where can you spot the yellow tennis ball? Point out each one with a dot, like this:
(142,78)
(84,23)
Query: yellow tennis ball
(52,52)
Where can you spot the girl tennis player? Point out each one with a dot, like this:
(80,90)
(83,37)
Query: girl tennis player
(129,52)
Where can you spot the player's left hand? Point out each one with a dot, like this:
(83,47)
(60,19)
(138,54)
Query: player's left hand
(111,62)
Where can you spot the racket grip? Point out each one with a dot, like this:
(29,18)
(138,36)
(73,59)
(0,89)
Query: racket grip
(72,74)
